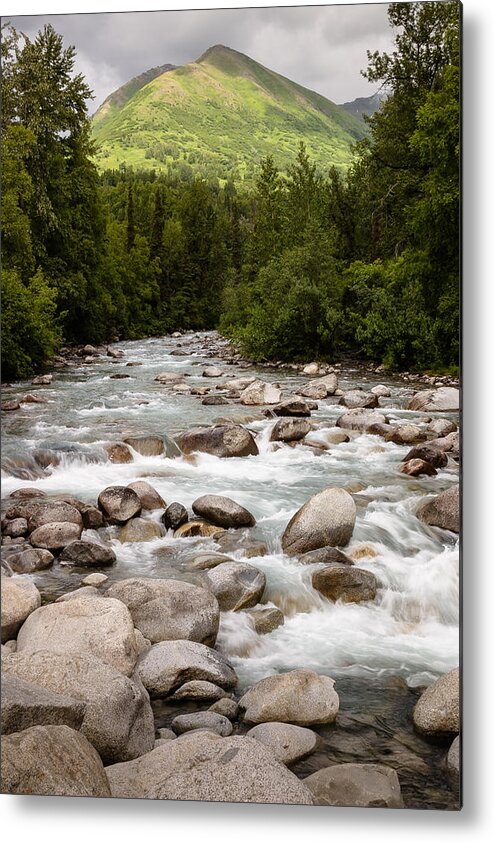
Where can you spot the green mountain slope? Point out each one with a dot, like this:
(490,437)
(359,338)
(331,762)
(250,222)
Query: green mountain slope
(218,117)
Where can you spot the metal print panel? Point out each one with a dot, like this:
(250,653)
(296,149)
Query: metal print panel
(230,405)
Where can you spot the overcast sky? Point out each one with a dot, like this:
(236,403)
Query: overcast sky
(323,48)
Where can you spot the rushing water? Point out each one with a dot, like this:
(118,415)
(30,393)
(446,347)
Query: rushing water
(410,632)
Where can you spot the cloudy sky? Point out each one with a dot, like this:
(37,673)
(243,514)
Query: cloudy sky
(321,47)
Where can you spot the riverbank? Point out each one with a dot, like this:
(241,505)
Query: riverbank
(104,413)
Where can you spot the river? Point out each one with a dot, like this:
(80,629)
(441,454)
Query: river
(379,652)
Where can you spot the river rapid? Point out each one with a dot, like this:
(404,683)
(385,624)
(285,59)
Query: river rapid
(378,652)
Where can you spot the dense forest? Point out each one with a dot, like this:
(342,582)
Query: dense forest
(306,265)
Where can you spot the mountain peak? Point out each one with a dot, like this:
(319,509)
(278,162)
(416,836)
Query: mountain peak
(218,51)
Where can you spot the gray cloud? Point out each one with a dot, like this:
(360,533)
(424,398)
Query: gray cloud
(321,47)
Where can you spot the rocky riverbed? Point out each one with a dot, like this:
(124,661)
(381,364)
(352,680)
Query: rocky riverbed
(229,582)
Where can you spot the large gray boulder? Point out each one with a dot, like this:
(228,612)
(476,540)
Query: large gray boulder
(301,697)
(259,393)
(437,712)
(290,429)
(356,785)
(289,743)
(441,426)
(149,497)
(326,519)
(320,388)
(118,719)
(55,536)
(20,597)
(53,512)
(119,503)
(444,399)
(146,445)
(236,585)
(26,559)
(222,511)
(407,434)
(52,760)
(429,453)
(206,720)
(101,627)
(203,691)
(207,767)
(167,609)
(345,582)
(87,554)
(25,704)
(360,419)
(358,399)
(443,511)
(172,663)
(224,440)
(139,529)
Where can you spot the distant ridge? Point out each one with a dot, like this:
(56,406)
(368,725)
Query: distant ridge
(364,105)
(217,117)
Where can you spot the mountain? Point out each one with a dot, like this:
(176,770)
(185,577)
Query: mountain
(122,95)
(367,105)
(218,117)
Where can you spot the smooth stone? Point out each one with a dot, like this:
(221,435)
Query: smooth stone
(240,383)
(172,663)
(146,445)
(200,691)
(26,559)
(205,561)
(100,627)
(226,707)
(453,763)
(95,580)
(92,518)
(119,503)
(437,712)
(236,585)
(16,528)
(25,704)
(10,406)
(86,592)
(444,399)
(265,618)
(260,393)
(139,529)
(345,583)
(118,452)
(212,371)
(214,400)
(293,408)
(20,597)
(205,767)
(325,555)
(417,468)
(198,528)
(361,420)
(356,785)
(222,511)
(118,719)
(406,434)
(42,380)
(237,542)
(168,609)
(52,760)
(443,511)
(326,519)
(440,427)
(174,516)
(55,536)
(227,440)
(48,513)
(204,719)
(290,429)
(26,493)
(428,453)
(356,399)
(149,497)
(320,387)
(328,437)
(87,554)
(289,743)
(381,391)
(301,697)
(166,734)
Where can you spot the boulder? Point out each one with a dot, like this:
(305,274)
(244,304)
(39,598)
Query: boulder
(94,580)
(25,704)
(326,519)
(198,528)
(15,528)
(290,429)
(26,559)
(212,371)
(265,618)
(356,785)
(222,511)
(453,763)
(100,627)
(42,380)
(205,720)
(319,388)
(292,408)
(119,504)
(227,707)
(326,555)
(118,719)
(443,511)
(444,399)
(441,427)
(328,437)
(240,383)
(149,497)
(175,515)
(437,712)
(301,697)
(381,391)
(26,493)
(241,542)
(203,691)
(52,760)
(169,377)
(168,609)
(418,467)
(89,591)
(206,767)
(87,554)
(118,452)
(115,354)
(20,597)
(146,445)
(259,393)
(139,529)
(172,663)
(358,419)
(92,518)
(47,513)
(357,399)
(341,581)
(223,440)
(10,406)
(289,743)
(55,536)
(428,453)
(406,434)
(236,585)
(205,561)
(214,400)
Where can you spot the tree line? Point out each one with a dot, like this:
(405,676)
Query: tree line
(309,264)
